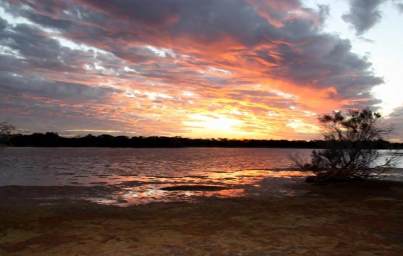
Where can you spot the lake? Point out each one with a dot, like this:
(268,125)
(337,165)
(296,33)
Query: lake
(139,175)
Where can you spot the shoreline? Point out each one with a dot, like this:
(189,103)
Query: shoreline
(336,219)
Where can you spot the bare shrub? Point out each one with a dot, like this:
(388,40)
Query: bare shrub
(351,148)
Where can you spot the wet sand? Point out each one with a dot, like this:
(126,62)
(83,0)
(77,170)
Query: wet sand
(339,219)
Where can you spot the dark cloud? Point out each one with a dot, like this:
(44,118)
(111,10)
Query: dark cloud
(324,11)
(363,14)
(3,24)
(322,61)
(32,48)
(204,21)
(168,45)
(394,122)
(308,56)
(44,6)
(50,22)
(31,56)
(11,83)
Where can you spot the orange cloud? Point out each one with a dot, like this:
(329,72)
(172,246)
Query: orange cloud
(239,68)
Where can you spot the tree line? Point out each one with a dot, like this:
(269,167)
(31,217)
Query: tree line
(51,139)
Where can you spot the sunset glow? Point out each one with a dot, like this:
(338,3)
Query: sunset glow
(215,68)
(203,125)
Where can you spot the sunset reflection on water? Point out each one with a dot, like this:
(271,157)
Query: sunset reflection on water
(137,176)
(142,190)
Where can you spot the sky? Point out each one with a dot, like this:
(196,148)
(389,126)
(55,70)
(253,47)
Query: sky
(259,69)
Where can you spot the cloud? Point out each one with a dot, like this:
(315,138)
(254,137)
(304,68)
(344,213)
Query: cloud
(363,14)
(290,42)
(11,83)
(394,122)
(31,49)
(130,62)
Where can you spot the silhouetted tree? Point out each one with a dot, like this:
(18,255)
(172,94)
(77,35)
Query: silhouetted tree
(5,131)
(351,151)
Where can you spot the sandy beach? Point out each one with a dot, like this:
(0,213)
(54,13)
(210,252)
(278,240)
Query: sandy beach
(340,219)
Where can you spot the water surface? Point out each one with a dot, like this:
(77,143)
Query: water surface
(135,176)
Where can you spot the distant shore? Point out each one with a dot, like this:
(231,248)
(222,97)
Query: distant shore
(54,140)
(341,219)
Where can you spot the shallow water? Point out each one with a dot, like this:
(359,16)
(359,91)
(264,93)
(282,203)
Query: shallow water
(136,176)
